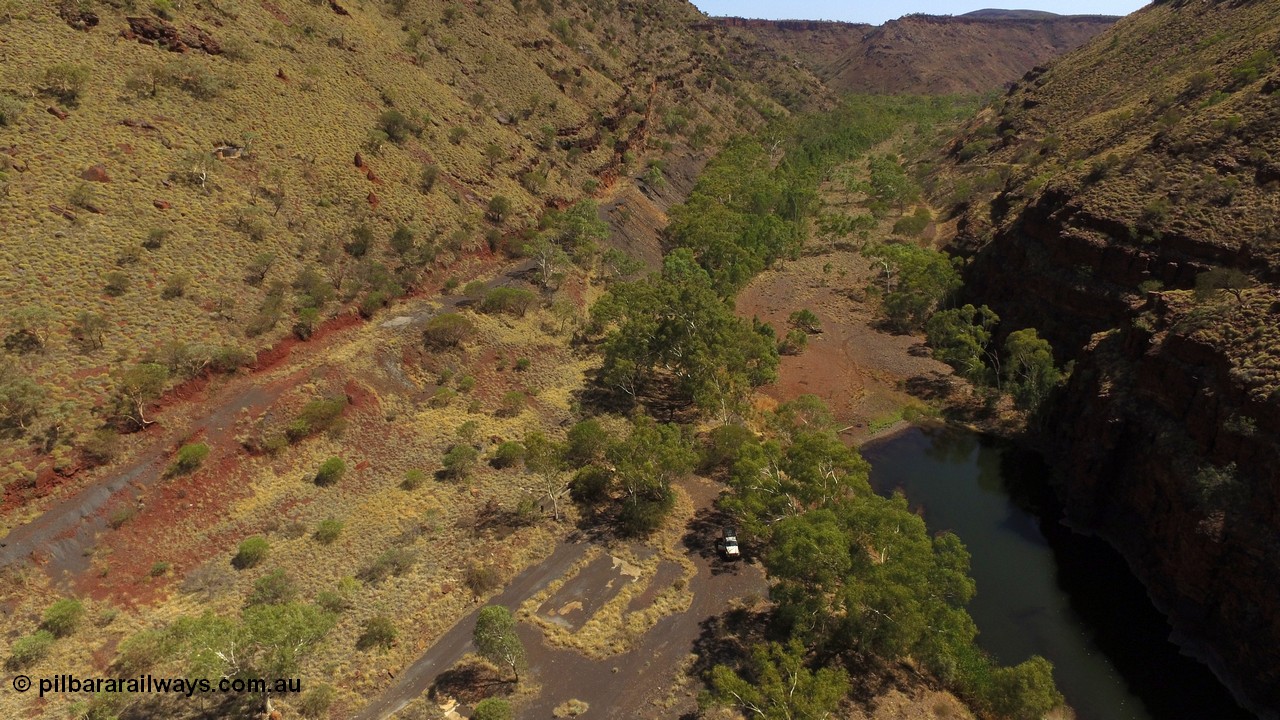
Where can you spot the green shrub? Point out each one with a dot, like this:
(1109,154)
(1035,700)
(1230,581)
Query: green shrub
(397,126)
(534,182)
(492,709)
(973,149)
(115,283)
(379,631)
(360,242)
(512,404)
(401,240)
(474,289)
(252,551)
(430,174)
(914,224)
(447,330)
(413,480)
(333,601)
(328,531)
(1253,68)
(28,650)
(643,515)
(190,75)
(11,108)
(508,454)
(499,207)
(120,516)
(189,458)
(459,461)
(63,617)
(141,651)
(396,561)
(176,286)
(794,343)
(508,300)
(482,578)
(317,416)
(723,446)
(274,588)
(586,442)
(316,701)
(331,471)
(590,484)
(805,320)
(66,81)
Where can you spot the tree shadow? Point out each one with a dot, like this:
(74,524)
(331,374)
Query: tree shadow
(874,678)
(702,537)
(469,683)
(727,638)
(659,395)
(931,386)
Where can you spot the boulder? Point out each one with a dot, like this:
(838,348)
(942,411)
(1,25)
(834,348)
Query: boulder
(96,173)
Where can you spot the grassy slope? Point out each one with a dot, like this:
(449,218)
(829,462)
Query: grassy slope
(1154,141)
(305,88)
(169,555)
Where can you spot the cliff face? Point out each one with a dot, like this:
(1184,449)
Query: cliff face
(1093,200)
(923,53)
(1163,452)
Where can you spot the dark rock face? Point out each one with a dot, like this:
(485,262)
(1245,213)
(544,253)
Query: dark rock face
(1141,422)
(1157,410)
(77,16)
(155,31)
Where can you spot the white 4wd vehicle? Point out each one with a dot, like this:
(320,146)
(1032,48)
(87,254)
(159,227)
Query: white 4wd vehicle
(729,543)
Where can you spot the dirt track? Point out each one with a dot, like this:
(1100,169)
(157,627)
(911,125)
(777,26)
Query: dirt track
(415,679)
(637,683)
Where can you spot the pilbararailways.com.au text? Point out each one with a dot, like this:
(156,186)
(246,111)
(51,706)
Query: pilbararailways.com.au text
(68,684)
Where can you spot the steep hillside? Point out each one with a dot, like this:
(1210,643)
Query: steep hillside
(189,183)
(972,53)
(1124,201)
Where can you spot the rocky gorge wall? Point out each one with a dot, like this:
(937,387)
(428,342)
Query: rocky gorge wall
(1162,441)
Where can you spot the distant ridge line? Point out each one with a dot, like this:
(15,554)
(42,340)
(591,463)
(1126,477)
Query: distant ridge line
(974,17)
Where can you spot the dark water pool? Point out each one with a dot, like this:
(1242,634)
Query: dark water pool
(1043,589)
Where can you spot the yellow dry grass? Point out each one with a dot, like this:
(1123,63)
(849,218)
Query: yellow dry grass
(613,628)
(302,93)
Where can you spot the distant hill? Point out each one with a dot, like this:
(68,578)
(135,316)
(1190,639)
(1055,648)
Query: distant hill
(930,54)
(998,14)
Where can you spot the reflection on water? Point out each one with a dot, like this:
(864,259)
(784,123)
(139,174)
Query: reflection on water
(1043,589)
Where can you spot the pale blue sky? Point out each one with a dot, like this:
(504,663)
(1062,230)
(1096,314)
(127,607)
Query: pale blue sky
(878,11)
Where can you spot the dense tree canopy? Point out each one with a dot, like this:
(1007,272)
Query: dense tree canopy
(855,575)
(961,338)
(675,325)
(777,684)
(913,282)
(1030,374)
